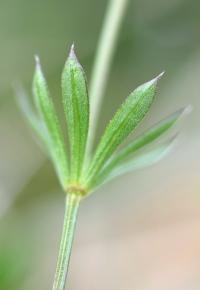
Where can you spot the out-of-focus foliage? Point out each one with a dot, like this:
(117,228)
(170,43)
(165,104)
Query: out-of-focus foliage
(14,264)
(127,154)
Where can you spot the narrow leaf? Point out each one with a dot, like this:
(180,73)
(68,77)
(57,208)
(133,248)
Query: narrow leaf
(50,120)
(146,138)
(123,123)
(76,106)
(138,162)
(33,119)
(28,112)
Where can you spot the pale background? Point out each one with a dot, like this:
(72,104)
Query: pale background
(143,230)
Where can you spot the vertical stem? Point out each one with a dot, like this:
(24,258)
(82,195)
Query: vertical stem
(71,210)
(103,60)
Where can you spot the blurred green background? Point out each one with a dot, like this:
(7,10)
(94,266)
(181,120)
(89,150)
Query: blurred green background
(143,230)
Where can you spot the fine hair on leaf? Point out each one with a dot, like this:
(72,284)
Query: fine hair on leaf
(49,117)
(123,123)
(76,107)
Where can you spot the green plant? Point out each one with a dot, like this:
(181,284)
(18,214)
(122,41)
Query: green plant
(79,171)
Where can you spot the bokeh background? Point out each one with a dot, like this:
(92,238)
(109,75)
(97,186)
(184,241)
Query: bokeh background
(141,231)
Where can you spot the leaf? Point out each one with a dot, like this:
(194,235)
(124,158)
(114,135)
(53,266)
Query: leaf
(76,106)
(123,123)
(146,138)
(33,119)
(50,120)
(26,108)
(138,162)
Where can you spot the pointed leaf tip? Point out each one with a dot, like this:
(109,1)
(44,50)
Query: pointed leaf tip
(73,57)
(37,61)
(160,75)
(72,53)
(187,110)
(157,78)
(183,112)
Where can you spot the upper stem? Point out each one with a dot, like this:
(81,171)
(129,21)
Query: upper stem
(70,217)
(103,60)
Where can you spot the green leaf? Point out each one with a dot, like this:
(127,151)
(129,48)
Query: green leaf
(123,123)
(76,106)
(33,119)
(138,162)
(49,117)
(146,138)
(26,108)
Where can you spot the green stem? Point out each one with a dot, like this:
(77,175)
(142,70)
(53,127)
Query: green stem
(103,60)
(71,210)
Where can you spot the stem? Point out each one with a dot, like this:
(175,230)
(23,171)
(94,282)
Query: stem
(103,60)
(70,217)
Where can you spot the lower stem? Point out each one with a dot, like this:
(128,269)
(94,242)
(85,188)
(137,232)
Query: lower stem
(70,217)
